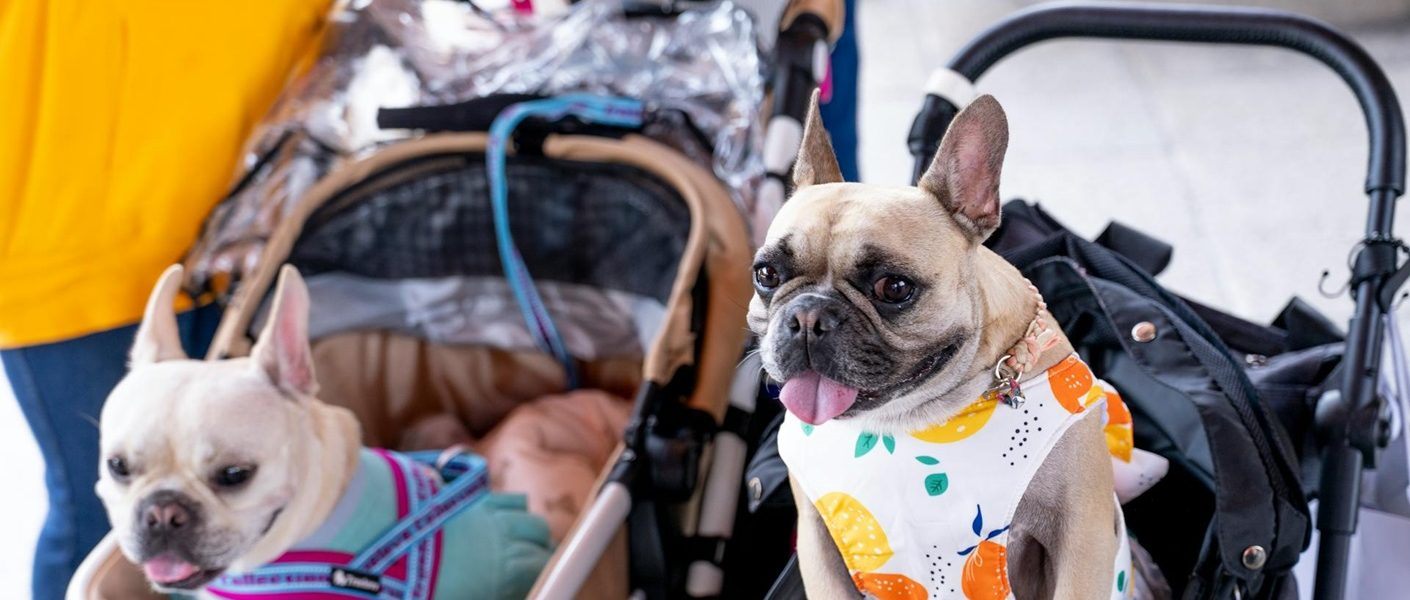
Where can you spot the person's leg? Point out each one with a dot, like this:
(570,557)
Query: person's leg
(61,388)
(839,113)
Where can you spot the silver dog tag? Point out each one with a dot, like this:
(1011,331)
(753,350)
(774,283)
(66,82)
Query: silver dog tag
(1007,391)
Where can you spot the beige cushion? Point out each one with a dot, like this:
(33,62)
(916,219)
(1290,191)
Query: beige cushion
(394,382)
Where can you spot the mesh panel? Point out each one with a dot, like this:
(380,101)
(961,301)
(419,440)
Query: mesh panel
(601,225)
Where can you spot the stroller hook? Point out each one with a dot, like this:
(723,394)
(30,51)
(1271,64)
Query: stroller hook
(1322,286)
(1350,268)
(1351,265)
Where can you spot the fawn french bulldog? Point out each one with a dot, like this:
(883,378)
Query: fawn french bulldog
(942,438)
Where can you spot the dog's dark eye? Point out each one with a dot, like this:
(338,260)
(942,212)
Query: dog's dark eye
(767,277)
(118,468)
(233,476)
(892,289)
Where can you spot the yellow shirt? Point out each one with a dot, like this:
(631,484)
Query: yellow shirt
(121,125)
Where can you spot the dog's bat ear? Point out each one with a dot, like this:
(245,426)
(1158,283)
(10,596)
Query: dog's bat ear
(157,338)
(282,351)
(816,163)
(965,172)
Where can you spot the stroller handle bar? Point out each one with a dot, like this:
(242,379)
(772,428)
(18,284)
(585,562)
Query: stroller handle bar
(1181,23)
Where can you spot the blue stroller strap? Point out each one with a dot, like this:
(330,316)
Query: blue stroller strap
(365,577)
(603,110)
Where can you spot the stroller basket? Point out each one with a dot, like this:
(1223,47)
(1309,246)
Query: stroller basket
(1352,426)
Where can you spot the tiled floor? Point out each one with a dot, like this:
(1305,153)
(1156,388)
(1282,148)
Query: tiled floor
(1250,161)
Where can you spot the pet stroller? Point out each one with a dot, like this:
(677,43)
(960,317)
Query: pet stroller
(1208,391)
(628,219)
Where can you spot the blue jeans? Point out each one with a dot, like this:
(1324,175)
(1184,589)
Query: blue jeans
(61,388)
(840,113)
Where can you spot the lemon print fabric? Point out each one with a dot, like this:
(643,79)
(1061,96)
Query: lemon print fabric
(855,530)
(904,507)
(967,422)
(865,548)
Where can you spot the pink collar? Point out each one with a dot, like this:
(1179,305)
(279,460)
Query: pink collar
(1023,355)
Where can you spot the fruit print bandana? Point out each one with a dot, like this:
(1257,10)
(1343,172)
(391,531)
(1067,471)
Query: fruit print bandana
(926,514)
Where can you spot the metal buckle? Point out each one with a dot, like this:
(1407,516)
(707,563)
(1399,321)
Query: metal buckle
(1006,388)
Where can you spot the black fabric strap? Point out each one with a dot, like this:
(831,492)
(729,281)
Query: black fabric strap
(789,585)
(648,556)
(1150,254)
(471,115)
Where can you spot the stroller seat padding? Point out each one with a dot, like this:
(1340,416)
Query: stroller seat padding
(393,381)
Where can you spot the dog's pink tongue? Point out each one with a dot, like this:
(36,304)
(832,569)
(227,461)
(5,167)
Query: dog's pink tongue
(168,569)
(816,399)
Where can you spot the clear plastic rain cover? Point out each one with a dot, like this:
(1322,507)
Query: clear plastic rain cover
(699,72)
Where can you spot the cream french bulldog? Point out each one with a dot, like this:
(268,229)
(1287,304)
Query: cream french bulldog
(220,467)
(216,466)
(878,309)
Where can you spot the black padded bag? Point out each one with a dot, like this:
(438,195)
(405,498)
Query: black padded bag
(1290,361)
(1234,482)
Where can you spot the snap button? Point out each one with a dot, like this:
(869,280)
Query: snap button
(756,489)
(1254,557)
(1143,332)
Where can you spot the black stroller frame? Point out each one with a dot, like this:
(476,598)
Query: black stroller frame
(1353,426)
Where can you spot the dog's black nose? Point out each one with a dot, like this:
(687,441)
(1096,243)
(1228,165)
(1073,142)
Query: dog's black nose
(814,316)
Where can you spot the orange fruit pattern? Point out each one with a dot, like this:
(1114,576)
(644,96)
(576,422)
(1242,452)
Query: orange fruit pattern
(967,422)
(986,574)
(1119,437)
(1116,411)
(890,586)
(1071,380)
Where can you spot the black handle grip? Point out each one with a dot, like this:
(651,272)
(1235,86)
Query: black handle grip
(794,57)
(476,114)
(1203,24)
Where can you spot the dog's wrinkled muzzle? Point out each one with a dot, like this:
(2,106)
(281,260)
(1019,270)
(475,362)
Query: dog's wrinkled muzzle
(815,399)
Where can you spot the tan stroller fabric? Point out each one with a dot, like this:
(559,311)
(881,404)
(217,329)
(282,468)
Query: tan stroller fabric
(394,383)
